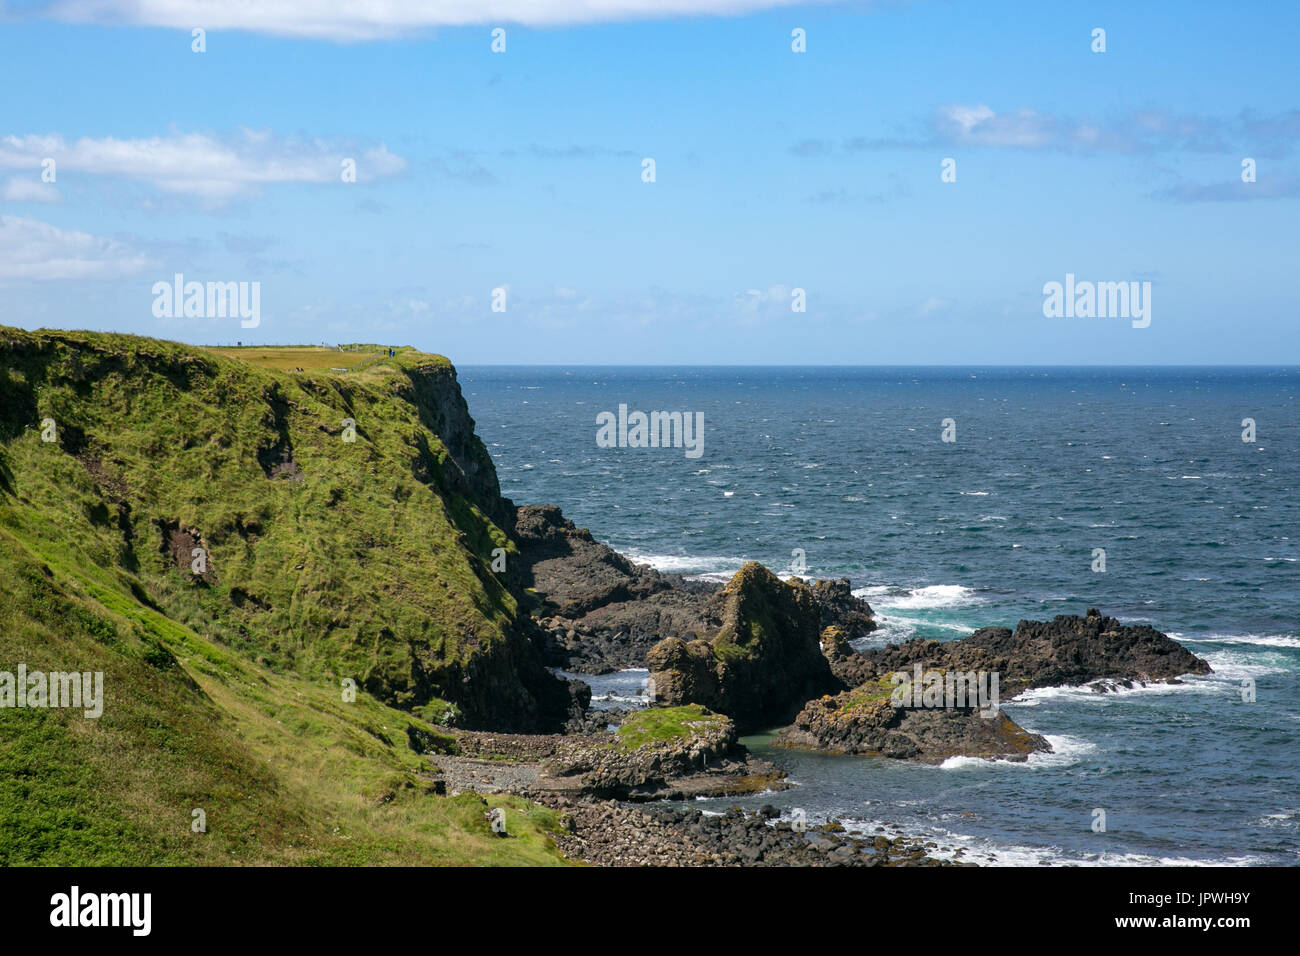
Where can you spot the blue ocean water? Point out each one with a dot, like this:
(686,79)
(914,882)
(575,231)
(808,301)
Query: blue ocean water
(1199,530)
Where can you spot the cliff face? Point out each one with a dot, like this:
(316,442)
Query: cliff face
(431,388)
(343,525)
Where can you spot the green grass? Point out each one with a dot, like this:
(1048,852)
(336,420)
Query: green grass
(225,694)
(663,724)
(873,691)
(369,562)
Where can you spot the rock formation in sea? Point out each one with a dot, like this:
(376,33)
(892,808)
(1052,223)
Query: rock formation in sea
(764,662)
(866,722)
(1066,651)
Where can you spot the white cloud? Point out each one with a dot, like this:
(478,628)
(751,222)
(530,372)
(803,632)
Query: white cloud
(21,189)
(38,250)
(360,20)
(980,126)
(932,305)
(202,165)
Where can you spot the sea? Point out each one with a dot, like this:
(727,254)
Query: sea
(957,498)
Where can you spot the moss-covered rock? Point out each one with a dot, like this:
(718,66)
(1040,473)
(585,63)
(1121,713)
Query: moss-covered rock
(867,722)
(762,664)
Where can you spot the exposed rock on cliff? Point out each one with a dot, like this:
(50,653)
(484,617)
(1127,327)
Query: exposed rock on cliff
(602,612)
(762,665)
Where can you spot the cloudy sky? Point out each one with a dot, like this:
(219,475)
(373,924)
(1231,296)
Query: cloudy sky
(127,157)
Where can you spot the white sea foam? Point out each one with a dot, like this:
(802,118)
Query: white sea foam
(1260,640)
(1066,750)
(931,596)
(702,566)
(1234,666)
(986,852)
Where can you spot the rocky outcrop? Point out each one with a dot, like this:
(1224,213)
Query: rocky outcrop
(849,667)
(615,768)
(600,611)
(840,609)
(1067,651)
(763,663)
(866,722)
(658,754)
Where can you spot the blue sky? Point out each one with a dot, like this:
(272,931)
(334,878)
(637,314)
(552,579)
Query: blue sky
(775,171)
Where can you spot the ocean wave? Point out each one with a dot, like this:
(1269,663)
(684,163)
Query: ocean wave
(987,852)
(1037,696)
(1066,750)
(931,596)
(1234,666)
(694,565)
(1259,640)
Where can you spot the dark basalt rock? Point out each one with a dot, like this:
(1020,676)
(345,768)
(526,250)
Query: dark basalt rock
(849,667)
(601,612)
(1066,651)
(866,723)
(840,609)
(611,834)
(764,662)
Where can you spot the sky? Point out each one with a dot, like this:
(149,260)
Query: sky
(501,211)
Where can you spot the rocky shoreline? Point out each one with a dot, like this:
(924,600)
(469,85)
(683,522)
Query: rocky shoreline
(600,794)
(613,834)
(756,653)
(676,754)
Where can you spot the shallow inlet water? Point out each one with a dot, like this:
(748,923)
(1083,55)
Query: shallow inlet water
(1199,530)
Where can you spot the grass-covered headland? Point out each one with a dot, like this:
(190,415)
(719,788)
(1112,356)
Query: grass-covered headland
(281,564)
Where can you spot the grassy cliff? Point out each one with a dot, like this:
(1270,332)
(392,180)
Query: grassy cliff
(233,542)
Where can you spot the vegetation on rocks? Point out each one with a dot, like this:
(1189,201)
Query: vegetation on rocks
(761,665)
(659,725)
(202,531)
